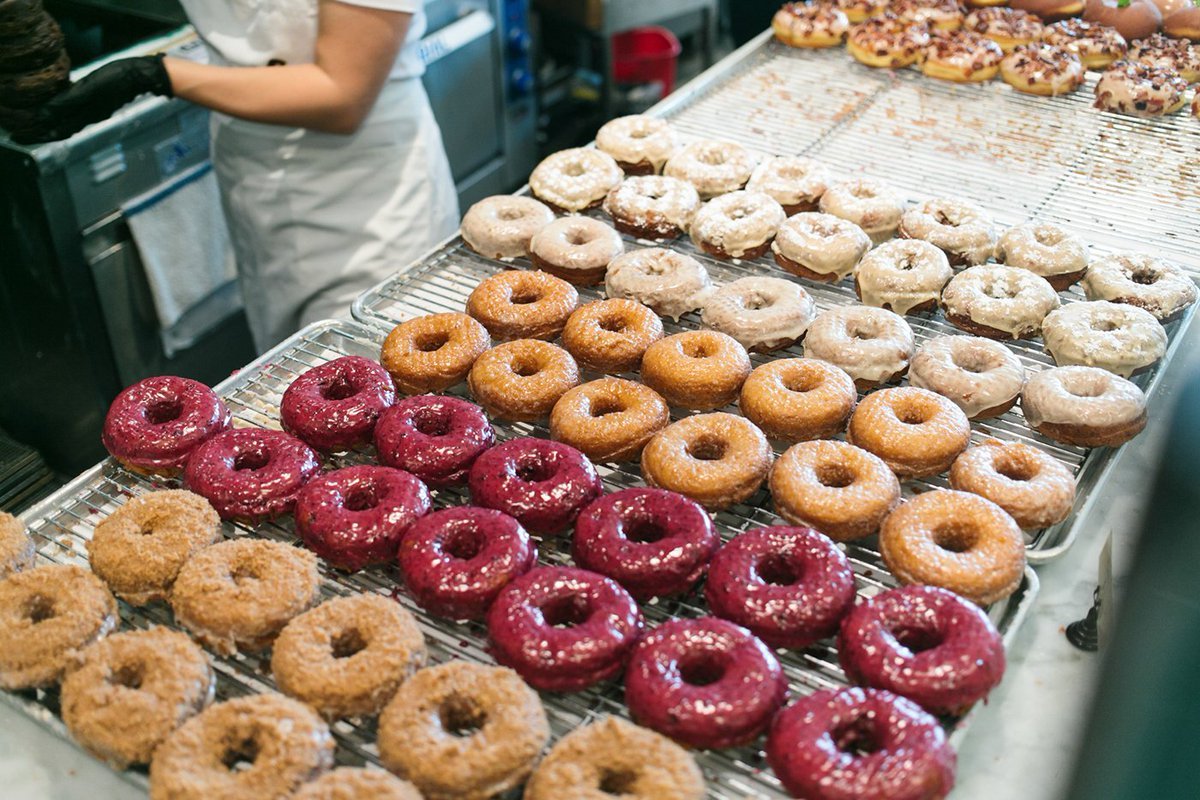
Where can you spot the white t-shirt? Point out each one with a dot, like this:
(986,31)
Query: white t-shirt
(251,33)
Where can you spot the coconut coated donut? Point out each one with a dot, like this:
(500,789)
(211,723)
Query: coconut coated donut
(522,380)
(904,276)
(717,459)
(872,345)
(543,484)
(1178,55)
(1147,282)
(653,206)
(763,314)
(576,249)
(870,204)
(961,56)
(698,370)
(982,377)
(998,302)
(1098,46)
(916,432)
(670,283)
(938,15)
(17,551)
(819,247)
(350,783)
(1035,488)
(641,144)
(251,473)
(335,406)
(1046,250)
(713,167)
(1140,90)
(1117,337)
(1084,406)
(1007,27)
(575,179)
(502,225)
(795,182)
(611,336)
(796,399)
(962,230)
(433,352)
(610,419)
(889,42)
(155,424)
(1043,69)
(737,225)
(804,25)
(433,437)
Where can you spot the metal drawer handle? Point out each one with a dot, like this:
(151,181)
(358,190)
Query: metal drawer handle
(456,36)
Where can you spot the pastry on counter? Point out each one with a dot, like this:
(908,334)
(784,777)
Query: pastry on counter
(858,10)
(641,144)
(1184,23)
(1159,287)
(435,437)
(819,247)
(251,474)
(1177,55)
(610,419)
(670,283)
(1043,69)
(1084,406)
(611,336)
(542,484)
(938,15)
(1033,486)
(842,490)
(521,380)
(796,399)
(357,782)
(870,204)
(334,406)
(795,182)
(916,432)
(17,551)
(153,426)
(1049,10)
(737,225)
(904,275)
(699,370)
(521,304)
(434,352)
(717,459)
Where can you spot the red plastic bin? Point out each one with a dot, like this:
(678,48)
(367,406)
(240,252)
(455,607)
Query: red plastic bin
(646,55)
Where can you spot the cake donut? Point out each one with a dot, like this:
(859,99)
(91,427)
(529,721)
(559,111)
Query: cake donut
(916,432)
(886,41)
(1140,90)
(575,179)
(1008,27)
(522,380)
(982,377)
(1084,406)
(522,304)
(1144,281)
(1159,50)
(641,144)
(154,425)
(670,283)
(609,419)
(611,336)
(998,302)
(436,351)
(938,15)
(904,275)
(763,314)
(502,225)
(1117,337)
(962,230)
(961,56)
(819,247)
(872,345)
(698,370)
(434,437)
(543,484)
(796,399)
(335,406)
(1034,487)
(1043,69)
(576,249)
(870,204)
(737,225)
(251,474)
(17,551)
(795,182)
(1046,250)
(714,167)
(1097,46)
(716,459)
(356,783)
(653,207)
(804,25)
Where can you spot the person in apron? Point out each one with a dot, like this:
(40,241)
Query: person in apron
(330,163)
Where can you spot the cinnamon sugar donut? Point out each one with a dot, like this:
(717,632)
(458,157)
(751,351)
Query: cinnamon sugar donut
(700,370)
(432,353)
(1177,55)
(805,25)
(795,399)
(522,304)
(522,380)
(904,275)
(1046,250)
(575,179)
(871,344)
(819,247)
(1007,27)
(916,432)
(641,144)
(1140,90)
(982,377)
(350,783)
(502,225)
(763,314)
(713,167)
(737,225)
(939,15)
(653,206)
(1084,406)
(576,249)
(718,459)
(962,230)
(961,56)
(998,302)
(611,336)
(1120,338)
(1043,69)
(610,419)
(1097,45)
(795,182)
(670,283)
(17,551)
(1144,281)
(1034,487)
(870,204)
(886,41)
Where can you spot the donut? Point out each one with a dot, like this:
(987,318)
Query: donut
(819,247)
(614,757)
(48,615)
(609,419)
(1133,20)
(916,432)
(1177,55)
(251,474)
(131,690)
(1008,27)
(761,313)
(356,516)
(433,352)
(872,205)
(139,548)
(841,490)
(17,551)
(1183,23)
(611,336)
(563,629)
(1084,406)
(1045,250)
(575,179)
(886,41)
(961,56)
(962,230)
(699,370)
(1097,46)
(348,656)
(248,748)
(1048,10)
(433,437)
(239,594)
(455,561)
(653,542)
(982,377)
(804,25)
(904,275)
(522,380)
(522,304)
(502,225)
(653,207)
(737,225)
(543,484)
(576,249)
(154,425)
(717,459)
(938,15)
(1048,70)
(706,683)
(1144,281)
(335,406)
(859,10)
(956,540)
(796,399)
(795,182)
(1036,489)
(641,144)
(872,345)
(838,744)
(350,783)
(670,283)
(714,167)
(463,731)
(998,302)
(790,587)
(1139,90)
(1117,337)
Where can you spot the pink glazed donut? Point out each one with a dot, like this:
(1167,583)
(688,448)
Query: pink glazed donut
(336,405)
(154,425)
(706,683)
(924,643)
(435,437)
(563,629)
(543,484)
(860,744)
(790,586)
(251,474)
(356,516)
(457,560)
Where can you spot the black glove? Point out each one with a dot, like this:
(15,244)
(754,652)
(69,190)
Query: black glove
(96,97)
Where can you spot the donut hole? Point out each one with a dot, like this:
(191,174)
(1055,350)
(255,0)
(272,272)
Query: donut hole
(860,332)
(128,675)
(998,290)
(863,192)
(1087,389)
(245,573)
(362,498)
(1047,237)
(163,411)
(973,362)
(574,170)
(777,570)
(431,341)
(1016,469)
(40,608)
(711,157)
(250,460)
(525,368)
(510,214)
(942,217)
(461,716)
(534,470)
(913,413)
(757,302)
(523,296)
(643,530)
(856,737)
(801,382)
(701,669)
(431,421)
(240,756)
(956,536)
(707,448)
(349,642)
(834,475)
(1105,326)
(739,212)
(907,263)
(463,544)
(917,640)
(611,324)
(617,782)
(339,388)
(577,237)
(1144,277)
(566,612)
(697,348)
(603,406)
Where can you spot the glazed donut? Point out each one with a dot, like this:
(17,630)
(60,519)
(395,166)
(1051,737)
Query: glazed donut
(641,144)
(713,167)
(17,551)
(1008,27)
(522,380)
(48,615)
(804,25)
(1084,406)
(841,490)
(698,370)
(139,548)
(1139,90)
(962,230)
(763,314)
(276,743)
(609,419)
(796,399)
(1177,55)
(795,182)
(131,690)
(1036,489)
(611,336)
(1048,10)
(348,656)
(576,249)
(717,459)
(575,179)
(463,731)
(433,352)
(670,283)
(543,484)
(154,425)
(455,561)
(982,377)
(961,56)
(904,276)
(789,586)
(613,756)
(1183,23)
(653,542)
(737,225)
(350,783)
(916,432)
(859,10)
(1117,337)
(870,204)
(653,207)
(335,406)
(938,15)
(819,247)
(563,629)
(251,474)
(1048,70)
(998,302)
(502,225)
(872,345)
(686,669)
(522,304)
(1134,20)
(1046,250)
(1097,46)
(1144,281)
(886,41)
(239,594)
(435,438)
